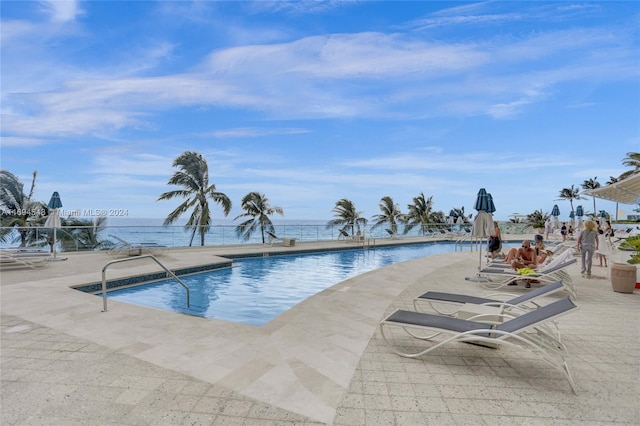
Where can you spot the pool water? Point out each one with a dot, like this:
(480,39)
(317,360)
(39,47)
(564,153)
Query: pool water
(256,290)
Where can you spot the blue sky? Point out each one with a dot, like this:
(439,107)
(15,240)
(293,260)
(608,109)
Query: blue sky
(309,102)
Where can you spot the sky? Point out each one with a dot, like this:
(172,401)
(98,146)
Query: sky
(309,102)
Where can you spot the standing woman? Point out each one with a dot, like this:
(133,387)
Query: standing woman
(495,241)
(547,228)
(603,248)
(588,244)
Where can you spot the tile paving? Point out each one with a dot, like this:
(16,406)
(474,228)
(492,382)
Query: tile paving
(56,373)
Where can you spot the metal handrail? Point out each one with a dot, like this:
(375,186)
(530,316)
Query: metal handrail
(146,256)
(463,238)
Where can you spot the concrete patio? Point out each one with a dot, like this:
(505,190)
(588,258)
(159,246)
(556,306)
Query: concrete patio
(65,362)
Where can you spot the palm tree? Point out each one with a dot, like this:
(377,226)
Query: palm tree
(591,184)
(419,213)
(257,210)
(17,209)
(537,218)
(82,234)
(570,194)
(632,160)
(347,216)
(194,178)
(391,214)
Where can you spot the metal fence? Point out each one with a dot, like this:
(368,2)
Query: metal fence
(79,238)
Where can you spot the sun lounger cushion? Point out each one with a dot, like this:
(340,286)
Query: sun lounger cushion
(435,321)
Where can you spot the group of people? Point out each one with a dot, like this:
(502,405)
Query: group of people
(565,231)
(591,241)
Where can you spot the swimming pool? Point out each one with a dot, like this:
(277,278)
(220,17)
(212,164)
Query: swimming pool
(256,290)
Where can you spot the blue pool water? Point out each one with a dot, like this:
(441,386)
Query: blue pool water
(257,290)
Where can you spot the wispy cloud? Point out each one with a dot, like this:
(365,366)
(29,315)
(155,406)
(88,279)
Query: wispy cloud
(254,132)
(301,7)
(446,21)
(336,75)
(61,11)
(22,142)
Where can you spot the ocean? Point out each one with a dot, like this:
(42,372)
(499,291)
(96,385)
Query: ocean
(222,232)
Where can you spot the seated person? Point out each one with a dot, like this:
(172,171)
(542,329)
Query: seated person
(541,252)
(495,241)
(522,257)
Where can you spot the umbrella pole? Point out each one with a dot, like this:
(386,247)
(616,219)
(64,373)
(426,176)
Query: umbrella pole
(54,243)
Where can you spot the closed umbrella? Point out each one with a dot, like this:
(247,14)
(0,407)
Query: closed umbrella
(53,220)
(483,223)
(572,216)
(492,207)
(579,213)
(603,218)
(555,212)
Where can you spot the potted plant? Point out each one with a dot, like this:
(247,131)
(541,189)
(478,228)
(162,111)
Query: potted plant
(623,275)
(632,244)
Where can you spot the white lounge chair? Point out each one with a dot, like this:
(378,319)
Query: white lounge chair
(528,331)
(286,241)
(135,249)
(23,258)
(349,238)
(436,300)
(494,278)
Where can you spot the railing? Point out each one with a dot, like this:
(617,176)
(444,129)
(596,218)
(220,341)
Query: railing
(146,256)
(461,242)
(84,238)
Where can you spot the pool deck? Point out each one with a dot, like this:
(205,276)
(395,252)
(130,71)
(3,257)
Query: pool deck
(63,361)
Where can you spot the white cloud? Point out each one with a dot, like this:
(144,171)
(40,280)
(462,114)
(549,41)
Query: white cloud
(61,11)
(23,142)
(254,132)
(132,164)
(300,7)
(359,75)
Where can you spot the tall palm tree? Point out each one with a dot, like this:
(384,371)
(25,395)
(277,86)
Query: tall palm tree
(193,176)
(17,209)
(592,184)
(257,210)
(570,194)
(419,213)
(347,216)
(391,214)
(631,160)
